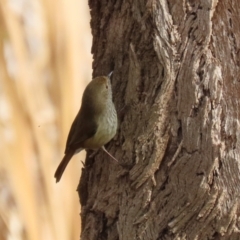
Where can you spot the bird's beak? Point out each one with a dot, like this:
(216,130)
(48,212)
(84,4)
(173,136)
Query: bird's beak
(110,74)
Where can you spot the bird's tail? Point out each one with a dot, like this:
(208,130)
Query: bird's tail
(63,164)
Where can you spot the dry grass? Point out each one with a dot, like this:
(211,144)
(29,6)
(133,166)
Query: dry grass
(45,63)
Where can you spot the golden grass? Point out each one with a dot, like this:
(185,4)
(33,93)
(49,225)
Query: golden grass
(45,63)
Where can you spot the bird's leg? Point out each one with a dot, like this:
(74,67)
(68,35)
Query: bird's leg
(109,154)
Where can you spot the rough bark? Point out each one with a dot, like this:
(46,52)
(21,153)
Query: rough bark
(176,88)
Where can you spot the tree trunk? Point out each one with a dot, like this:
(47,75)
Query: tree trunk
(176,88)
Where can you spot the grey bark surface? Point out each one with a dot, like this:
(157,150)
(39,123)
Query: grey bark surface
(176,87)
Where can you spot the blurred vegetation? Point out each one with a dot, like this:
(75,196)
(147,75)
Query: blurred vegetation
(45,63)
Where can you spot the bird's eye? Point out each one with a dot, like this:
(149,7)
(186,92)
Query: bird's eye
(106,86)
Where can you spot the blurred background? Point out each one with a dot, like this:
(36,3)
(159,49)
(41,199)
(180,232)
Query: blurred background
(45,64)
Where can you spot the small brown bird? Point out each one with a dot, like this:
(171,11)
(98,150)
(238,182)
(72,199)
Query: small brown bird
(95,124)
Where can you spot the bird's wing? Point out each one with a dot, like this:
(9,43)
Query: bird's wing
(81,130)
